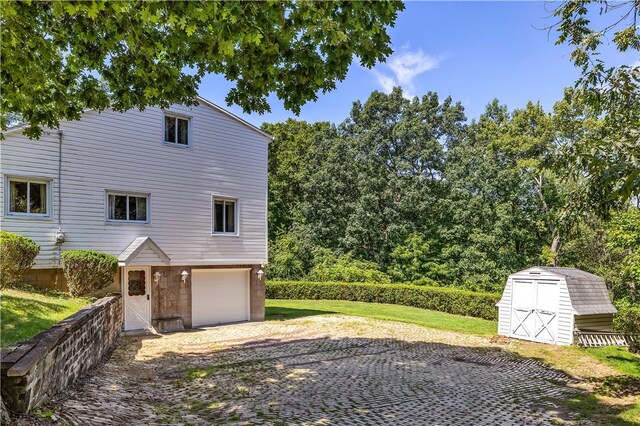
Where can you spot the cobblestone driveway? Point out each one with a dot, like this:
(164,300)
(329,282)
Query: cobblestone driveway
(316,370)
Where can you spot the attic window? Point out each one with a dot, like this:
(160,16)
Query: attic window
(177,130)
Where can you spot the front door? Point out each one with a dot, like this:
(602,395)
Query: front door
(137,297)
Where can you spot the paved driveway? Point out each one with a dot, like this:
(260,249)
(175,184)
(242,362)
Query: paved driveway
(316,370)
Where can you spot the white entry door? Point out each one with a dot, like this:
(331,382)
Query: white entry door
(534,310)
(219,296)
(137,297)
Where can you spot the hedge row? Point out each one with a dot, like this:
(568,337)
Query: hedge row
(453,301)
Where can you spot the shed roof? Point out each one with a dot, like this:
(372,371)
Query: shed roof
(588,292)
(136,247)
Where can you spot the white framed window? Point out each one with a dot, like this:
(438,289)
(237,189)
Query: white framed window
(177,130)
(225,216)
(28,197)
(125,207)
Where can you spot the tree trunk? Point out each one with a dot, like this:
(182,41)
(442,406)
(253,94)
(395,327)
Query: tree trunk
(555,249)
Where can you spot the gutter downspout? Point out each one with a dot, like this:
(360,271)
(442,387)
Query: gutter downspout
(59,237)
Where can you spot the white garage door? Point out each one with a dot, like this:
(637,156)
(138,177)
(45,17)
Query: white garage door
(219,296)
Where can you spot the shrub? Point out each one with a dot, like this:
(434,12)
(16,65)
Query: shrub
(17,254)
(628,321)
(453,301)
(425,281)
(347,269)
(87,271)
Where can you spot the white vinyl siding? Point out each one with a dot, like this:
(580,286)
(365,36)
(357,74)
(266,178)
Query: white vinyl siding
(111,150)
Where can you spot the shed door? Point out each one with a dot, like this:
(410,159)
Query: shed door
(534,310)
(219,296)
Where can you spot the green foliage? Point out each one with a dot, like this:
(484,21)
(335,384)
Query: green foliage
(410,187)
(87,271)
(60,58)
(623,236)
(627,320)
(605,158)
(416,260)
(458,302)
(291,256)
(289,164)
(17,254)
(347,269)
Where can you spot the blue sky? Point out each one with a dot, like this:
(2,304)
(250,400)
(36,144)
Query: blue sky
(472,51)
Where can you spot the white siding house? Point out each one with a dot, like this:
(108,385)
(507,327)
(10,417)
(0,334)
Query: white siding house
(191,180)
(548,304)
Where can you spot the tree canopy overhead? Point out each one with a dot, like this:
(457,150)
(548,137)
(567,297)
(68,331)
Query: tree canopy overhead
(62,57)
(606,157)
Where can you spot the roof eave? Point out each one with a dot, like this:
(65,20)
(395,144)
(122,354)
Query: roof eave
(236,118)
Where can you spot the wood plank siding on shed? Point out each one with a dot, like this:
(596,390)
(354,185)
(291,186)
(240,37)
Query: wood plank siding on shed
(602,323)
(125,152)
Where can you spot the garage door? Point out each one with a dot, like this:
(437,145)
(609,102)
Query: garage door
(534,314)
(219,296)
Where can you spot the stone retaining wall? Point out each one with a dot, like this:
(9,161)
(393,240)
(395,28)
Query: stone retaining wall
(55,358)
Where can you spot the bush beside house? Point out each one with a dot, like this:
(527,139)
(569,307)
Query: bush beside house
(87,271)
(453,301)
(627,321)
(17,254)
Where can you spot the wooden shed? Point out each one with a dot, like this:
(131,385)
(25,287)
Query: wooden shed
(548,304)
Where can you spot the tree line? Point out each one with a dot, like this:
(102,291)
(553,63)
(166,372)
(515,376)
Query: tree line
(408,190)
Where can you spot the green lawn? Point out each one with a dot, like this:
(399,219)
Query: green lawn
(287,309)
(24,314)
(620,359)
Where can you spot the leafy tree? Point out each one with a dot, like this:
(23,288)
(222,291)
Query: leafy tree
(290,156)
(624,235)
(608,159)
(501,204)
(347,269)
(291,256)
(416,259)
(398,147)
(60,58)
(330,192)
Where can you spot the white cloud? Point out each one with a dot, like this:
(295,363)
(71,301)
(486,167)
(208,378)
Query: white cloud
(405,66)
(387,83)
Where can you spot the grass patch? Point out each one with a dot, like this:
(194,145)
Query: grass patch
(278,309)
(24,313)
(619,358)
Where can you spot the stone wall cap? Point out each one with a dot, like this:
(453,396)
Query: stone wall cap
(20,361)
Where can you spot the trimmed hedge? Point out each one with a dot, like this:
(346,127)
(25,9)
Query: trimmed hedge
(17,254)
(88,271)
(453,301)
